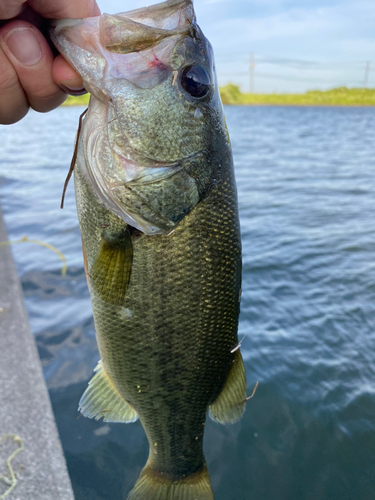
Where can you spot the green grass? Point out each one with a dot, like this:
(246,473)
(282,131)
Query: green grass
(341,96)
(81,100)
(231,94)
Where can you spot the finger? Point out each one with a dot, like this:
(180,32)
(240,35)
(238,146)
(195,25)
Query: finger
(66,77)
(60,9)
(11,8)
(62,73)
(32,59)
(13,101)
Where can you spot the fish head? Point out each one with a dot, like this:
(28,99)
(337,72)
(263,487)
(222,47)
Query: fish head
(155,122)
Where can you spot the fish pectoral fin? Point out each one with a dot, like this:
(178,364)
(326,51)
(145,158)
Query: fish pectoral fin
(110,273)
(229,406)
(101,399)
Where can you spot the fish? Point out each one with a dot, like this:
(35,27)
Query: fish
(157,207)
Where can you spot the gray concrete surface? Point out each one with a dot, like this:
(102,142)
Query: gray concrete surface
(25,407)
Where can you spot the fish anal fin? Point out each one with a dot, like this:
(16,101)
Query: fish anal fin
(111,270)
(229,406)
(102,400)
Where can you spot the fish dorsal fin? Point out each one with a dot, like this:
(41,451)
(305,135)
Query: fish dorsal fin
(229,406)
(102,400)
(110,272)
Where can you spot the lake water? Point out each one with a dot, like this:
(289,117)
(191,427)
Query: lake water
(307,205)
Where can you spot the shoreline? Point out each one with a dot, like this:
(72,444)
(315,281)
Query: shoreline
(231,95)
(297,105)
(265,104)
(340,96)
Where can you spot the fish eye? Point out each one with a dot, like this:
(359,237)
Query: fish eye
(195,81)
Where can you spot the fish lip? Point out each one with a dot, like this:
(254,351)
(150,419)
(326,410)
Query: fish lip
(73,93)
(56,26)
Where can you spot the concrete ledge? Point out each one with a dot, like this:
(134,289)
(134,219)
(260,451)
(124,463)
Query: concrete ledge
(25,407)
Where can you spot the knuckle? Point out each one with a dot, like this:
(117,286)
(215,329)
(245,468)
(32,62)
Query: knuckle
(13,103)
(46,94)
(9,12)
(13,116)
(46,99)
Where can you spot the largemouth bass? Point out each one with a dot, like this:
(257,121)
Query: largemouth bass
(157,208)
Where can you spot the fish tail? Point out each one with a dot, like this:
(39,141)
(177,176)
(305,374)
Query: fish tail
(153,485)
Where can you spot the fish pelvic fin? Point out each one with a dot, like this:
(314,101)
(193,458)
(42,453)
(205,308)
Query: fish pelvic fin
(153,485)
(110,273)
(229,406)
(102,400)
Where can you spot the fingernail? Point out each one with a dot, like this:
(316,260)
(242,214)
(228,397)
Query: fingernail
(24,45)
(75,91)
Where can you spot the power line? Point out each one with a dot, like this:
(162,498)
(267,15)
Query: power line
(281,77)
(284,61)
(292,78)
(328,67)
(305,63)
(303,68)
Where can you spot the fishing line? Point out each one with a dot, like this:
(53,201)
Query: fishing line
(238,345)
(26,239)
(12,480)
(253,393)
(73,162)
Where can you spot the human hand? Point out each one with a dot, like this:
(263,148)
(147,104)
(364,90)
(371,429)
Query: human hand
(30,76)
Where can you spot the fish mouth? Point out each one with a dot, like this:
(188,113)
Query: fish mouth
(170,15)
(131,31)
(135,45)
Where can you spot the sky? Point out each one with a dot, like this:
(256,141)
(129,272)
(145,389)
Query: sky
(297,45)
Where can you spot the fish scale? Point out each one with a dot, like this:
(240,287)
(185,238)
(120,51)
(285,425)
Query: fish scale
(141,124)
